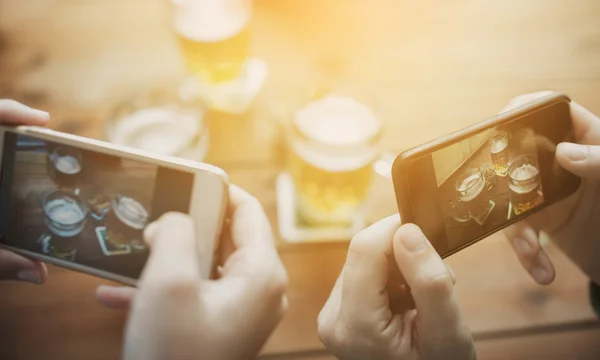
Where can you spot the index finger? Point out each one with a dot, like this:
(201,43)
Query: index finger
(249,223)
(367,269)
(15,113)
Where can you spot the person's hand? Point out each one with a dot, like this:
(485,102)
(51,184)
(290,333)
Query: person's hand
(13,266)
(177,315)
(572,224)
(366,316)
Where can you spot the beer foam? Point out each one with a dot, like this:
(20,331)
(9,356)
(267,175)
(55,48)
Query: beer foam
(65,211)
(68,164)
(471,187)
(160,130)
(131,212)
(498,146)
(337,120)
(334,162)
(524,172)
(210,20)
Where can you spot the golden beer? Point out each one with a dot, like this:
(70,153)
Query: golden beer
(214,37)
(499,153)
(331,157)
(525,184)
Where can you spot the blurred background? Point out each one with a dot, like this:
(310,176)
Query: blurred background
(253,87)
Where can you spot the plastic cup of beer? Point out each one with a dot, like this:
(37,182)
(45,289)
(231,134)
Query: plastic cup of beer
(214,37)
(333,140)
(499,152)
(525,184)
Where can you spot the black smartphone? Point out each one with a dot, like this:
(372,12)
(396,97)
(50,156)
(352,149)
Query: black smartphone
(469,184)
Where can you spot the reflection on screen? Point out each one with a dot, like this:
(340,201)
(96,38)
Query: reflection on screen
(80,206)
(491,178)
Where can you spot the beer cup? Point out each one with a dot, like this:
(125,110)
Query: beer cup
(499,152)
(333,141)
(214,37)
(525,184)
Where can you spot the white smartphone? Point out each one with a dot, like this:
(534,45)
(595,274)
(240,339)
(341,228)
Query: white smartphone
(83,204)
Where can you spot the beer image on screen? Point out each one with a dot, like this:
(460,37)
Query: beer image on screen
(332,152)
(495,174)
(525,185)
(214,37)
(471,186)
(67,165)
(80,206)
(65,217)
(499,153)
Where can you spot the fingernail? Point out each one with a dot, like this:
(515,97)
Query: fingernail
(523,245)
(29,275)
(451,272)
(414,243)
(540,274)
(572,152)
(43,115)
(150,231)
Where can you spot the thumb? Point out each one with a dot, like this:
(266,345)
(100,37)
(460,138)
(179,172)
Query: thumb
(173,255)
(430,281)
(16,267)
(581,160)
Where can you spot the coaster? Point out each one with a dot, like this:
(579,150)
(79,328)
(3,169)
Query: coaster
(234,96)
(291,232)
(109,248)
(482,220)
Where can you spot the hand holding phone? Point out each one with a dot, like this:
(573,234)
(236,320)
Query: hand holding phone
(367,315)
(469,184)
(572,224)
(178,312)
(84,204)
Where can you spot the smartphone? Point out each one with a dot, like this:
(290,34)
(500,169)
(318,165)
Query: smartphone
(469,184)
(83,204)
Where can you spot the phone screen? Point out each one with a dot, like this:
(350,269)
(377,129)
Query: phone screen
(82,206)
(468,189)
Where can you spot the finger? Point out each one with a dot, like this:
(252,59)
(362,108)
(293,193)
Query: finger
(366,273)
(524,240)
(581,160)
(174,254)
(249,224)
(116,297)
(430,283)
(330,310)
(523,99)
(586,125)
(17,267)
(15,113)
(451,272)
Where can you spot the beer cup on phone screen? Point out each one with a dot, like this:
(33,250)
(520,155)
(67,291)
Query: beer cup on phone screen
(66,166)
(472,188)
(525,184)
(333,143)
(214,37)
(499,152)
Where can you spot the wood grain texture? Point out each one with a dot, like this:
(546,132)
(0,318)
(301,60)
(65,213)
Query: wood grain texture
(432,66)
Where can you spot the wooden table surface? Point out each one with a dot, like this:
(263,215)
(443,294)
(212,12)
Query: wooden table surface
(433,66)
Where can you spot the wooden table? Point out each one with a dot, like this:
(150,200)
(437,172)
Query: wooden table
(433,66)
